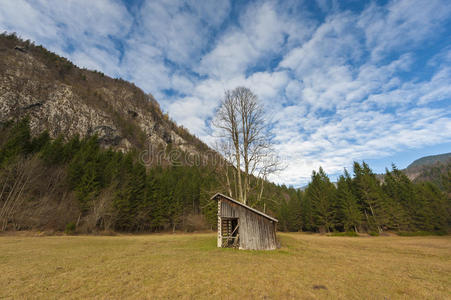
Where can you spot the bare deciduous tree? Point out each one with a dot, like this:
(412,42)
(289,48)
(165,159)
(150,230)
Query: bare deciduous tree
(16,182)
(227,120)
(245,142)
(223,167)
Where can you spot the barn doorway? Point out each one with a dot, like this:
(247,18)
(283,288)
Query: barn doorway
(230,232)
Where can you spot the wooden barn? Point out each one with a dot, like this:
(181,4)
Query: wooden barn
(244,227)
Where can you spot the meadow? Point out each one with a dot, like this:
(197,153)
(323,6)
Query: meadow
(307,266)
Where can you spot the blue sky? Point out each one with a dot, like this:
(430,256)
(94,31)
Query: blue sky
(340,80)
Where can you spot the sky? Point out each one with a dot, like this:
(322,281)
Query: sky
(341,81)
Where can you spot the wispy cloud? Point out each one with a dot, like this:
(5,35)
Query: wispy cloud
(83,31)
(340,82)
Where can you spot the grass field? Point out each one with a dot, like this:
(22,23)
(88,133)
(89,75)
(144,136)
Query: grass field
(190,266)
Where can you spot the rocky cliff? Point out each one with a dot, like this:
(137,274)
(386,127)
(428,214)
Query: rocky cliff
(65,100)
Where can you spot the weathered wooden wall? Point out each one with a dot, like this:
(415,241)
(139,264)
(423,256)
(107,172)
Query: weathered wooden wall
(256,231)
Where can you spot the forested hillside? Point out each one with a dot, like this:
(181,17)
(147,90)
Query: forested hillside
(92,132)
(434,169)
(75,184)
(65,100)
(430,160)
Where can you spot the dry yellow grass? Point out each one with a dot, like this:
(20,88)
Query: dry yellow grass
(190,266)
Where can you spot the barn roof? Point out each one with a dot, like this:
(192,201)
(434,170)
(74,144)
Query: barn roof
(244,205)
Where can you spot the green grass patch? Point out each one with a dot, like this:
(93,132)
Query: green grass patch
(70,228)
(346,233)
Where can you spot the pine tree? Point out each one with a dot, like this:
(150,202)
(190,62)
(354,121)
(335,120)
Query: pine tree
(16,141)
(348,215)
(436,212)
(307,213)
(89,185)
(294,216)
(131,193)
(40,141)
(321,193)
(53,152)
(446,181)
(401,199)
(157,205)
(368,191)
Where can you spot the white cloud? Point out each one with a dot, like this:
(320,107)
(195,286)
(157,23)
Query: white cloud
(84,25)
(401,24)
(262,33)
(338,89)
(230,58)
(178,27)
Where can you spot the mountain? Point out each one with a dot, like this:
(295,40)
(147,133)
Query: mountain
(71,141)
(434,168)
(430,160)
(66,101)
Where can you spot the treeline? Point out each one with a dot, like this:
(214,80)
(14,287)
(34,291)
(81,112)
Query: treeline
(76,184)
(361,203)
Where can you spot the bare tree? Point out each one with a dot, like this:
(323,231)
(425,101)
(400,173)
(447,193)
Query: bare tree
(268,163)
(223,167)
(15,183)
(240,119)
(227,120)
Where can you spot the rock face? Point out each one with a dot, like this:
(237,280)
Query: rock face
(66,100)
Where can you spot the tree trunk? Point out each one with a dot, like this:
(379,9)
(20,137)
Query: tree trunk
(229,188)
(238,173)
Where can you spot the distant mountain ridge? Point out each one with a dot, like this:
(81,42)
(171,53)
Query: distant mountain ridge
(431,159)
(433,168)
